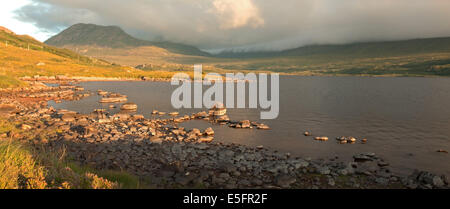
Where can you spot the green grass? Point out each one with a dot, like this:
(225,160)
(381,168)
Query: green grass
(18,169)
(10,82)
(23,167)
(125,180)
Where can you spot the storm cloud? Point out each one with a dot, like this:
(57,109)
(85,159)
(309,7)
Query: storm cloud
(248,25)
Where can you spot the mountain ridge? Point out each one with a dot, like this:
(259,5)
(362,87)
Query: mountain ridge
(114,37)
(364,49)
(82,34)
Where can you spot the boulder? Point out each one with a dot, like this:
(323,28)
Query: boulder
(102,93)
(321,138)
(245,124)
(223,118)
(263,127)
(285,181)
(113,99)
(206,139)
(104,120)
(25,127)
(156,140)
(201,115)
(129,106)
(209,131)
(138,117)
(121,116)
(69,117)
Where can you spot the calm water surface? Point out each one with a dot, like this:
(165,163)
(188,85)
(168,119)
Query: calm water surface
(406,120)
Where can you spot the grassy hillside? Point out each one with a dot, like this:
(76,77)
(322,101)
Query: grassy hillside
(111,37)
(24,56)
(27,42)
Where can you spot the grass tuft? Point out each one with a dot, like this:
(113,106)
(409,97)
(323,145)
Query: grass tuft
(10,82)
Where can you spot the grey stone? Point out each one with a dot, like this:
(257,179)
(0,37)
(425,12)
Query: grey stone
(285,181)
(437,181)
(323,170)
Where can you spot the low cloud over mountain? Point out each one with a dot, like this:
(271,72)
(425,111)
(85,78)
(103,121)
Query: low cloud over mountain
(249,25)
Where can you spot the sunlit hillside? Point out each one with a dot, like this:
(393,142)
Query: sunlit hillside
(24,56)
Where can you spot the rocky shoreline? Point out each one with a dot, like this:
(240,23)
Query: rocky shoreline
(167,155)
(62,78)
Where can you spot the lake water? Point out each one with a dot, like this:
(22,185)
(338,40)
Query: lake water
(406,120)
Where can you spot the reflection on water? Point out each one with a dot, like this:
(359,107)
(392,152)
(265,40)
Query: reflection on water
(406,120)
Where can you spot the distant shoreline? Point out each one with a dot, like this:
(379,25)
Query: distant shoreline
(93,79)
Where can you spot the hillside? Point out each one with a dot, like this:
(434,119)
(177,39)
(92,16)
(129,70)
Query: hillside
(22,55)
(367,49)
(112,37)
(421,57)
(6,30)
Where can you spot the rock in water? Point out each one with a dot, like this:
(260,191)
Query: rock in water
(223,118)
(129,106)
(442,151)
(263,127)
(321,138)
(245,124)
(209,131)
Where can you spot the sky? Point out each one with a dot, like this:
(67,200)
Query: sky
(239,25)
(8,19)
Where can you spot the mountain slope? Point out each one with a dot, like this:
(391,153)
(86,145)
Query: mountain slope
(112,37)
(368,49)
(6,30)
(89,34)
(22,55)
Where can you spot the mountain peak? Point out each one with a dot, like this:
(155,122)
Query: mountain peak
(91,34)
(83,34)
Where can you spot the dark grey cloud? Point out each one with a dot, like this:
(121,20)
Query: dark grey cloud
(251,24)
